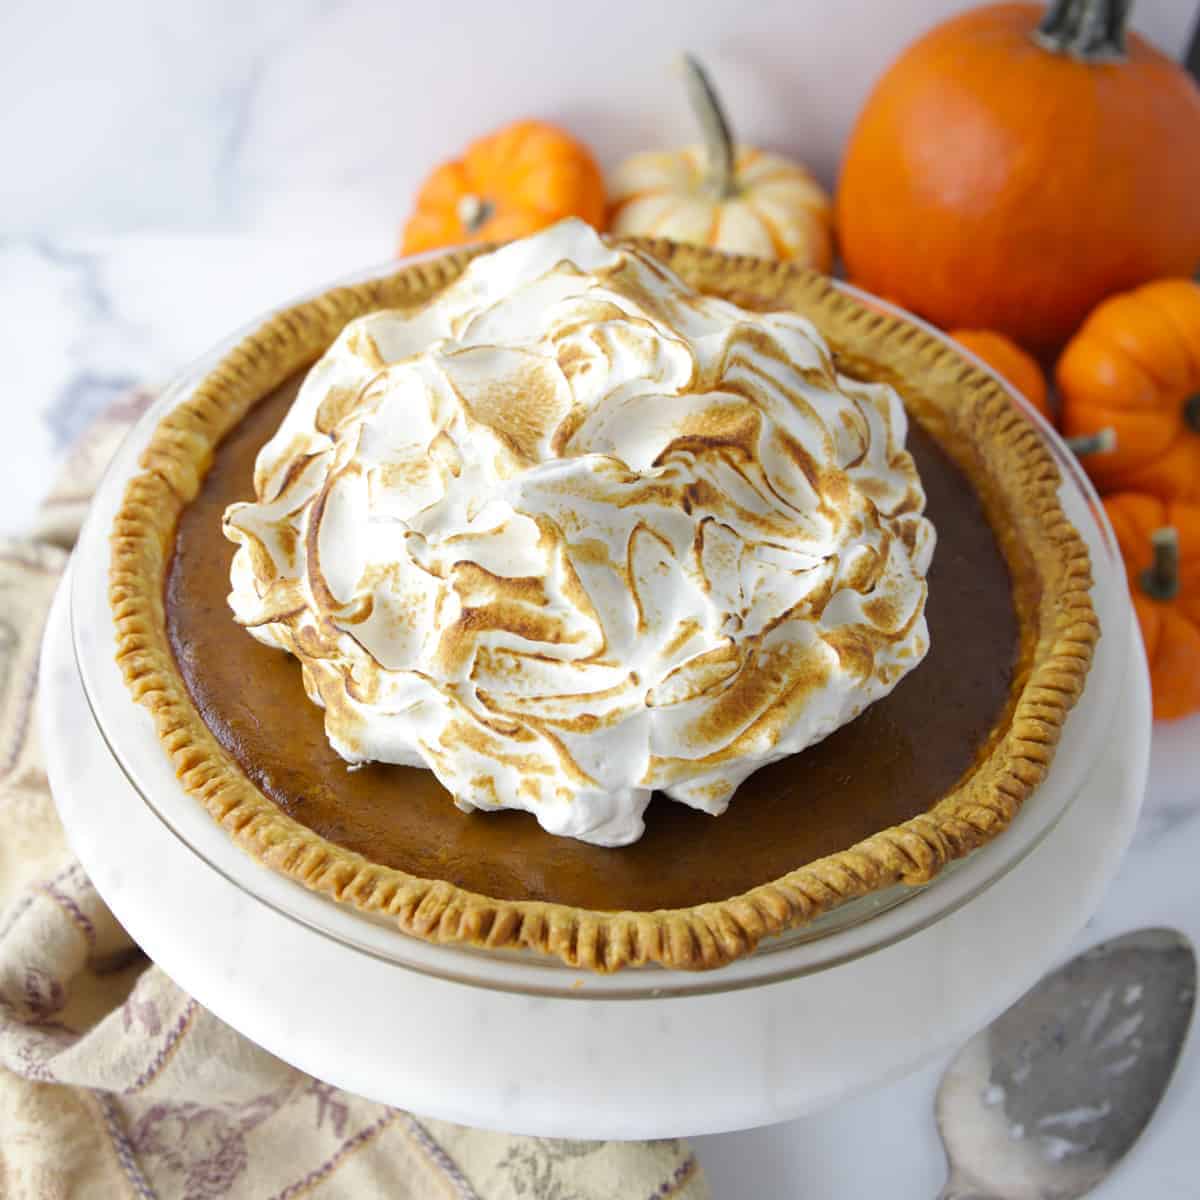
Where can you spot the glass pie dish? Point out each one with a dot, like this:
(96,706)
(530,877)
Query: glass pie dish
(849,931)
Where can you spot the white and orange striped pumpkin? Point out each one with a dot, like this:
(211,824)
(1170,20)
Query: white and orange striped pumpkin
(738,199)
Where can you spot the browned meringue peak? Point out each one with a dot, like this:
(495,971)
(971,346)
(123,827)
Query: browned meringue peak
(574,532)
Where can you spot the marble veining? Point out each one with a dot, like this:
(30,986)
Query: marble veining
(89,389)
(82,319)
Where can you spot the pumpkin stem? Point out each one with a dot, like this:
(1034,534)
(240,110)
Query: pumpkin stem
(1103,441)
(1191,412)
(714,125)
(1090,30)
(1160,581)
(474,212)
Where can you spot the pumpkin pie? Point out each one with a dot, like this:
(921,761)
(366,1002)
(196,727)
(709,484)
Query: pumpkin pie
(964,666)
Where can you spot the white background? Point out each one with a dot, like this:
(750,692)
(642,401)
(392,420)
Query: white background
(312,116)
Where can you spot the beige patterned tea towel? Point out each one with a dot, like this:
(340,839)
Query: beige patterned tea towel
(114,1083)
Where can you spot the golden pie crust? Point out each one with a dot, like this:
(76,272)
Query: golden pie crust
(967,412)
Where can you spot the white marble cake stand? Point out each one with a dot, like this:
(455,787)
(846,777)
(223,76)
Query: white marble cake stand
(590,1066)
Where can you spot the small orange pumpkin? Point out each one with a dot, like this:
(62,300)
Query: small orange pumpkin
(1134,367)
(1008,360)
(508,184)
(1160,543)
(1018,164)
(735,198)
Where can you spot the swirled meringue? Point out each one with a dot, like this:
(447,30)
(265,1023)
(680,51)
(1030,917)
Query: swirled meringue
(573,532)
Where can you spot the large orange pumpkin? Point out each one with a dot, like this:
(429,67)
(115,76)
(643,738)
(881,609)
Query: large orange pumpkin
(1015,166)
(506,185)
(1161,547)
(1134,367)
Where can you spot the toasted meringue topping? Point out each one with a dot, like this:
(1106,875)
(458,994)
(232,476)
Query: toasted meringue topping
(574,532)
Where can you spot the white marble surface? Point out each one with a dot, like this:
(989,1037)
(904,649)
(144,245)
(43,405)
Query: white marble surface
(310,115)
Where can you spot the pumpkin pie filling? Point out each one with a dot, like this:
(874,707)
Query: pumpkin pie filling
(892,763)
(923,776)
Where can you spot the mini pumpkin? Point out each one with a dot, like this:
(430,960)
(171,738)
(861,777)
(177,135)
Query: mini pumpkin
(1160,543)
(734,198)
(510,183)
(1009,361)
(1018,164)
(1134,366)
